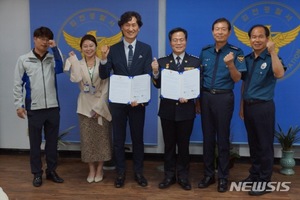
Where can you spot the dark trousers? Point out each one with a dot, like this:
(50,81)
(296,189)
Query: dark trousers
(122,113)
(216,114)
(260,125)
(46,120)
(177,133)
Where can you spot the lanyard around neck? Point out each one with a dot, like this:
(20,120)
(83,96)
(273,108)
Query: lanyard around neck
(91,72)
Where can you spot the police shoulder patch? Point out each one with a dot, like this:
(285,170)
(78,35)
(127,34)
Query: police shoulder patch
(163,57)
(240,58)
(234,47)
(194,56)
(207,47)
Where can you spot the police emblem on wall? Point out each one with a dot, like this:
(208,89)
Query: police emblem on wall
(95,21)
(283,23)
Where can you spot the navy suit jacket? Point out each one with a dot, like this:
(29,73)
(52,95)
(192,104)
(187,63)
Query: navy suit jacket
(117,63)
(172,109)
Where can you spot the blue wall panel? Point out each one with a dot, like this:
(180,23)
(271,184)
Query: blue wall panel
(283,17)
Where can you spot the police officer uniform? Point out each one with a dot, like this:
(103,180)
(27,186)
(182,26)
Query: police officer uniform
(259,114)
(177,121)
(217,104)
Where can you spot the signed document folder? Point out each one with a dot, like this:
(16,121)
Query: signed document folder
(175,85)
(125,89)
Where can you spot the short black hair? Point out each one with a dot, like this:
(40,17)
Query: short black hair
(88,37)
(127,16)
(267,31)
(222,19)
(178,29)
(43,32)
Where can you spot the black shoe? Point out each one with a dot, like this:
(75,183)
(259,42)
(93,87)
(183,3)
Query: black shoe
(260,189)
(37,180)
(250,179)
(167,182)
(185,184)
(109,165)
(206,181)
(141,180)
(222,185)
(119,181)
(54,177)
(258,193)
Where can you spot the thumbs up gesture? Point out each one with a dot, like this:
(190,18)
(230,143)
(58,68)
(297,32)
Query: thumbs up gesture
(154,66)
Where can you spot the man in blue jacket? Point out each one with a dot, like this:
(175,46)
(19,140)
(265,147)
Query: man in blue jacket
(36,72)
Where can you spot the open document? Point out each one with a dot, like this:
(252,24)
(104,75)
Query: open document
(125,89)
(175,85)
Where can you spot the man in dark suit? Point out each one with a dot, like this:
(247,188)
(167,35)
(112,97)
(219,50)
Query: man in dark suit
(177,116)
(117,59)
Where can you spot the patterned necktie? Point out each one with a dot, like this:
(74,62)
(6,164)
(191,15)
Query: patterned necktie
(178,62)
(130,56)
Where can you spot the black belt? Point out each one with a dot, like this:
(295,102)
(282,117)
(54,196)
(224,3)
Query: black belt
(254,101)
(216,91)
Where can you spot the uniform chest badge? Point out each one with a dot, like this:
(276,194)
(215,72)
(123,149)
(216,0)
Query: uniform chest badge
(167,66)
(263,66)
(188,68)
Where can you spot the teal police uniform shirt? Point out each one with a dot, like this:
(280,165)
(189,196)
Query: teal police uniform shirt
(209,58)
(262,83)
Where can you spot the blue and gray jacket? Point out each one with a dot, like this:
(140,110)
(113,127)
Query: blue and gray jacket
(39,80)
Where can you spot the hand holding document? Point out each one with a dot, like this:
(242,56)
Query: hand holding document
(175,85)
(125,89)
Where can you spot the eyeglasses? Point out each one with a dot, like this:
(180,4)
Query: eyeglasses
(44,39)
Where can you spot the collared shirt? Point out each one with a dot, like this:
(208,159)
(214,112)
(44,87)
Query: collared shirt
(174,57)
(181,57)
(126,44)
(262,82)
(209,57)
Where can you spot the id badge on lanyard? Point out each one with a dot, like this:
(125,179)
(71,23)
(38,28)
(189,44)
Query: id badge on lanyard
(92,89)
(86,88)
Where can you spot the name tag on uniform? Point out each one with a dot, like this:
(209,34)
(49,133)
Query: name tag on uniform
(188,68)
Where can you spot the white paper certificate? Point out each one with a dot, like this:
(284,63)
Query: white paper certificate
(125,89)
(175,85)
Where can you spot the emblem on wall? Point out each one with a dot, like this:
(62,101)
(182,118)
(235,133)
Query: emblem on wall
(95,21)
(283,23)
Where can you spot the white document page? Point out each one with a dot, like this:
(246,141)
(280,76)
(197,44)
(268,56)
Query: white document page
(170,84)
(175,85)
(119,89)
(124,89)
(140,88)
(191,84)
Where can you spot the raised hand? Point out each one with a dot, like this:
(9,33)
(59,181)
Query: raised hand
(154,66)
(104,52)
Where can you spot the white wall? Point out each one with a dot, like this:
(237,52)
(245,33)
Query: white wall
(15,41)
